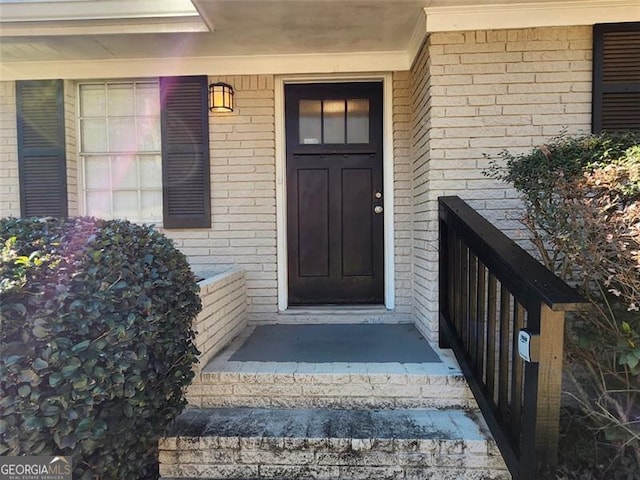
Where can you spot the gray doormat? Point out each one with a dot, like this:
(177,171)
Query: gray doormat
(352,343)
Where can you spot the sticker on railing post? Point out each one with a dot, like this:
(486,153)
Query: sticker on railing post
(528,346)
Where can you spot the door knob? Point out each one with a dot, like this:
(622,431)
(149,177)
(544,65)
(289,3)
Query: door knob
(378,209)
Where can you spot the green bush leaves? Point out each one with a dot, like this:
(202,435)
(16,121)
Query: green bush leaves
(96,343)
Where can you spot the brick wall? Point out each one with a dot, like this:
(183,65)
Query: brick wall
(9,186)
(486,91)
(402,190)
(71,148)
(223,315)
(243,191)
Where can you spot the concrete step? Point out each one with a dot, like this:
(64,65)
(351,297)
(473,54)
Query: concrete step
(227,383)
(245,443)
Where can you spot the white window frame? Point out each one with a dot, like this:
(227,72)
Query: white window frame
(83,155)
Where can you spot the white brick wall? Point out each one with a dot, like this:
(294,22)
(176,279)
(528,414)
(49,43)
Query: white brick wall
(223,315)
(402,190)
(9,186)
(478,93)
(243,191)
(70,127)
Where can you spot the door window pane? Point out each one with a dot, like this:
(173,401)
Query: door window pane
(358,120)
(333,117)
(310,118)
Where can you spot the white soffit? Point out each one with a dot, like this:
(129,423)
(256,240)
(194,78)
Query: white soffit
(445,16)
(95,17)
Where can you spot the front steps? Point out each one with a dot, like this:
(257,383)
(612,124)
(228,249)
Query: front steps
(287,420)
(226,383)
(234,443)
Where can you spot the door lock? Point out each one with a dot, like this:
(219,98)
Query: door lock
(378,209)
(378,195)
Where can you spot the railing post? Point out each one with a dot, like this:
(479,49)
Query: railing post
(549,386)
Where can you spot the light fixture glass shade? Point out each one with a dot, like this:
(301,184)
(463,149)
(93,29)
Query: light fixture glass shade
(220,97)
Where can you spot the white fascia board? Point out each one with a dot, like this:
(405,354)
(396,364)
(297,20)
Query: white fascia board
(35,11)
(215,66)
(104,27)
(530,14)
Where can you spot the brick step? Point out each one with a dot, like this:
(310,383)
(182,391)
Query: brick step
(246,443)
(332,386)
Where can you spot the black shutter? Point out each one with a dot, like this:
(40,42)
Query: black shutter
(616,77)
(185,152)
(41,148)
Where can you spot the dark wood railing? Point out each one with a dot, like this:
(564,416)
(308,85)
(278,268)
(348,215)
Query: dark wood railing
(490,288)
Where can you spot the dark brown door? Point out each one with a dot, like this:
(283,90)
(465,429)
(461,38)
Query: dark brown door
(334,193)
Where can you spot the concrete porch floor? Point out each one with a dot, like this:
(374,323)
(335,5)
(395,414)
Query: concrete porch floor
(371,349)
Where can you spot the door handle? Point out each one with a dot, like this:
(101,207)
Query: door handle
(378,209)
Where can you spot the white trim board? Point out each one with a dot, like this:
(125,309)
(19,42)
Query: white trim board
(304,64)
(530,14)
(387,169)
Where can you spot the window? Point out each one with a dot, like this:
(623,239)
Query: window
(120,150)
(616,77)
(334,121)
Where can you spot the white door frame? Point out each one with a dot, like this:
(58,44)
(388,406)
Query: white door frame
(387,169)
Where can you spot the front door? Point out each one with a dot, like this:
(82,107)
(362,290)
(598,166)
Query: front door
(334,193)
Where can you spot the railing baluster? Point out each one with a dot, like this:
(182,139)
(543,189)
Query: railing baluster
(503,380)
(464,294)
(473,308)
(516,381)
(492,322)
(481,311)
(451,295)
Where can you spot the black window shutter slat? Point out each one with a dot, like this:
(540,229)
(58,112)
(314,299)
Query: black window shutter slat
(616,77)
(41,148)
(185,152)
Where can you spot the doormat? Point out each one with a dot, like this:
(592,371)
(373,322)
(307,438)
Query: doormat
(351,343)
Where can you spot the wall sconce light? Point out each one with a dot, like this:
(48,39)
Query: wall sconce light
(220,97)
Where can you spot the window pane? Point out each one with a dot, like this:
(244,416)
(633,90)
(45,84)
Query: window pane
(147,99)
(358,121)
(122,135)
(333,116)
(151,208)
(120,100)
(150,171)
(124,171)
(310,118)
(92,101)
(125,205)
(148,134)
(97,174)
(99,204)
(94,137)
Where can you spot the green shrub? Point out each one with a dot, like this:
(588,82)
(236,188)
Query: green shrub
(96,343)
(582,209)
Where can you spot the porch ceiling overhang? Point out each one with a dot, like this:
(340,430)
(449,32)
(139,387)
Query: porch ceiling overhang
(116,38)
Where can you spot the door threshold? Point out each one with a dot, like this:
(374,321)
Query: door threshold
(334,309)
